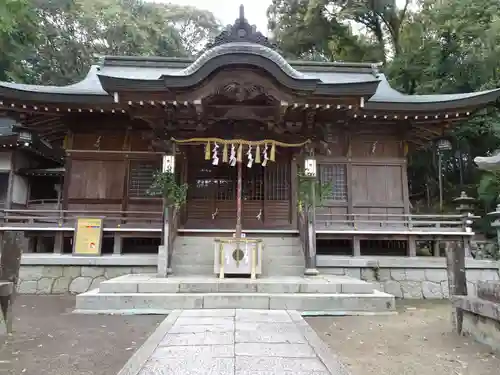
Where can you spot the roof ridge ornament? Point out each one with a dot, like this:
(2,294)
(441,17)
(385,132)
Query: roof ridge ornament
(241,31)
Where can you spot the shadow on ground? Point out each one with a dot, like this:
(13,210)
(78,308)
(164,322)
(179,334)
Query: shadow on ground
(50,340)
(418,340)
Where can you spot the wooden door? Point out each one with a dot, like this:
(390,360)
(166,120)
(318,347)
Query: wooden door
(266,198)
(211,201)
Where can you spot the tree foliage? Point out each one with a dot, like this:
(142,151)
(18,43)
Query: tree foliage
(428,47)
(69,34)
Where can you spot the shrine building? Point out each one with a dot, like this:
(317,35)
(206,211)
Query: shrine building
(240,124)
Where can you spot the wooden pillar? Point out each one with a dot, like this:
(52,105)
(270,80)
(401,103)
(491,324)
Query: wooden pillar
(59,243)
(117,244)
(356,246)
(412,246)
(239,187)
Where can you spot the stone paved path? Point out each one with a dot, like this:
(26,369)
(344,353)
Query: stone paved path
(234,342)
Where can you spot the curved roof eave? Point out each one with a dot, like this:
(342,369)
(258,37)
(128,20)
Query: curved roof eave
(88,90)
(387,98)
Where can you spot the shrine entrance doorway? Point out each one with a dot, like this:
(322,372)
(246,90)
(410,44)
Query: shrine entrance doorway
(266,194)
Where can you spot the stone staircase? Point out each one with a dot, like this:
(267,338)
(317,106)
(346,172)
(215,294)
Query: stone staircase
(194,255)
(193,285)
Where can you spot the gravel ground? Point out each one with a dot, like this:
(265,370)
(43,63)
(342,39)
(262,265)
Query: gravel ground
(416,341)
(50,340)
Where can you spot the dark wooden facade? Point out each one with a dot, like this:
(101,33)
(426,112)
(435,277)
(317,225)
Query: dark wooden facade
(116,124)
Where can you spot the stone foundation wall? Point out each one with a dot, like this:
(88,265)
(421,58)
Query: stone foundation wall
(61,274)
(409,278)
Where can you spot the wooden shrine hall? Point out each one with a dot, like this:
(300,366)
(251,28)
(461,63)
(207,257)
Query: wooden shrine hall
(241,123)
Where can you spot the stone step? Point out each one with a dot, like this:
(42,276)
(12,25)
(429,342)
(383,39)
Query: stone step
(190,249)
(208,260)
(208,270)
(151,284)
(269,241)
(163,303)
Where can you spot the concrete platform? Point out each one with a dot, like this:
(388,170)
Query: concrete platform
(321,295)
(234,342)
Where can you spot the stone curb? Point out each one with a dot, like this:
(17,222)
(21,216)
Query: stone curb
(135,364)
(331,361)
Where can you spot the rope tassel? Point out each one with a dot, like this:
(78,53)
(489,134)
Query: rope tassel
(257,155)
(224,154)
(232,158)
(207,151)
(273,152)
(264,154)
(215,158)
(250,157)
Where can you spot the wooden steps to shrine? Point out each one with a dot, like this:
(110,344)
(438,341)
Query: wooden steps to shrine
(148,294)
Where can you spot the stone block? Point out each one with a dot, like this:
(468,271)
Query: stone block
(96,282)
(193,352)
(226,327)
(30,273)
(436,275)
(189,366)
(112,272)
(444,289)
(92,272)
(415,274)
(369,274)
(107,286)
(225,313)
(394,288)
(398,274)
(52,271)
(198,287)
(45,285)
(356,288)
(166,301)
(274,350)
(204,320)
(234,301)
(384,274)
(72,271)
(284,287)
(292,336)
(236,287)
(279,365)
(264,316)
(474,275)
(61,285)
(203,338)
(339,271)
(143,270)
(80,284)
(411,289)
(431,290)
(353,272)
(157,287)
(27,287)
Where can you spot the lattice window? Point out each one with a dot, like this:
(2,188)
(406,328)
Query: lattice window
(277,181)
(141,177)
(336,174)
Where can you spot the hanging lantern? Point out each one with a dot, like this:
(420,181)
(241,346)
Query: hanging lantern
(310,166)
(168,163)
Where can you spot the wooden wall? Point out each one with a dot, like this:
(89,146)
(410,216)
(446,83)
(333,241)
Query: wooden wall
(375,177)
(100,166)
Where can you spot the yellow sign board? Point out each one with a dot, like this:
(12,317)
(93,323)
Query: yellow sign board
(88,236)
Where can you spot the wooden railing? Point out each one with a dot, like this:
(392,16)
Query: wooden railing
(390,222)
(46,219)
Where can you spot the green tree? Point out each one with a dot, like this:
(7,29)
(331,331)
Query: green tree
(18,33)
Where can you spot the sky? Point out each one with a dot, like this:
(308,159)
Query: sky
(227,11)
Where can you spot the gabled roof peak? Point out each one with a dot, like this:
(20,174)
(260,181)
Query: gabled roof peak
(241,31)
